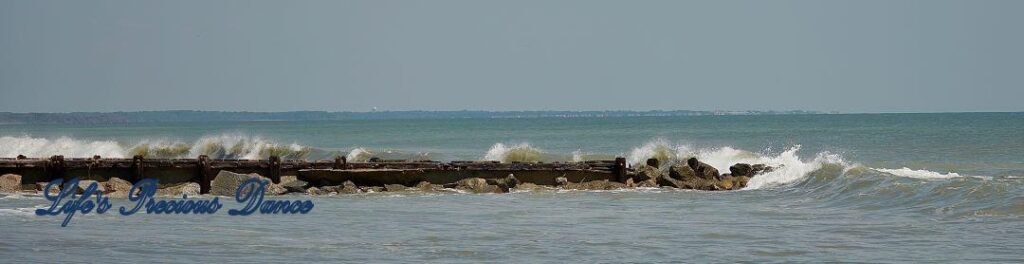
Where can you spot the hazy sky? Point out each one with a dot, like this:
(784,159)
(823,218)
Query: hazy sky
(849,56)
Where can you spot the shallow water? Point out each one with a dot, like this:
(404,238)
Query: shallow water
(872,188)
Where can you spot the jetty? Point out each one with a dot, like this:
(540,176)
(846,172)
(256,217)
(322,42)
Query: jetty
(202,170)
(595,174)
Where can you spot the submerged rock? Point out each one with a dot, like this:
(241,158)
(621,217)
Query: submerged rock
(10,183)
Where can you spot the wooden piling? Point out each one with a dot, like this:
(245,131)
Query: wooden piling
(274,169)
(203,173)
(138,168)
(620,169)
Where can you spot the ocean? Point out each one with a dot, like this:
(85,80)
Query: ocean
(946,187)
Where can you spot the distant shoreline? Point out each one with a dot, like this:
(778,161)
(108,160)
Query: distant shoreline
(225,116)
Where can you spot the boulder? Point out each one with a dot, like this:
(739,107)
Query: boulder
(703,170)
(477,185)
(671,182)
(349,187)
(117,187)
(595,185)
(41,185)
(395,188)
(294,185)
(681,172)
(644,173)
(226,183)
(760,169)
(371,189)
(506,184)
(177,190)
(425,186)
(314,191)
(288,178)
(741,169)
(726,183)
(529,186)
(740,182)
(10,183)
(83,184)
(561,181)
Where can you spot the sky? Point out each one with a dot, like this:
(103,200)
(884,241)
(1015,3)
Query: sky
(846,56)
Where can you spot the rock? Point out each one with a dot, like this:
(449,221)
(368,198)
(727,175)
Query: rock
(117,187)
(595,185)
(83,184)
(226,183)
(740,182)
(694,183)
(314,191)
(177,190)
(425,186)
(371,189)
(506,184)
(477,185)
(726,183)
(288,178)
(561,181)
(53,190)
(115,184)
(761,169)
(294,185)
(670,182)
(349,187)
(529,186)
(645,173)
(741,169)
(395,188)
(681,172)
(10,183)
(703,170)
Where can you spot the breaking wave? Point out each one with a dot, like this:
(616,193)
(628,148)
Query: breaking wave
(226,146)
(522,152)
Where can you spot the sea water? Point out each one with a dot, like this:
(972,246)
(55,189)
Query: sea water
(852,187)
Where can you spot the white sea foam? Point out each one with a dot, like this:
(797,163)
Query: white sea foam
(518,152)
(789,166)
(359,155)
(224,146)
(69,147)
(919,174)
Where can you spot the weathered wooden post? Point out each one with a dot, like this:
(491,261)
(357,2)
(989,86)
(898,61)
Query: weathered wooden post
(203,171)
(138,165)
(653,162)
(55,168)
(340,163)
(20,157)
(620,169)
(274,167)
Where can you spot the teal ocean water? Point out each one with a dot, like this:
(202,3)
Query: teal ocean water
(853,187)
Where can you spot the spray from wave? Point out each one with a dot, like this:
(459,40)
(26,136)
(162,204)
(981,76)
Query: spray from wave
(522,152)
(226,146)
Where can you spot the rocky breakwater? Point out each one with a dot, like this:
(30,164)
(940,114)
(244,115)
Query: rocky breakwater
(697,175)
